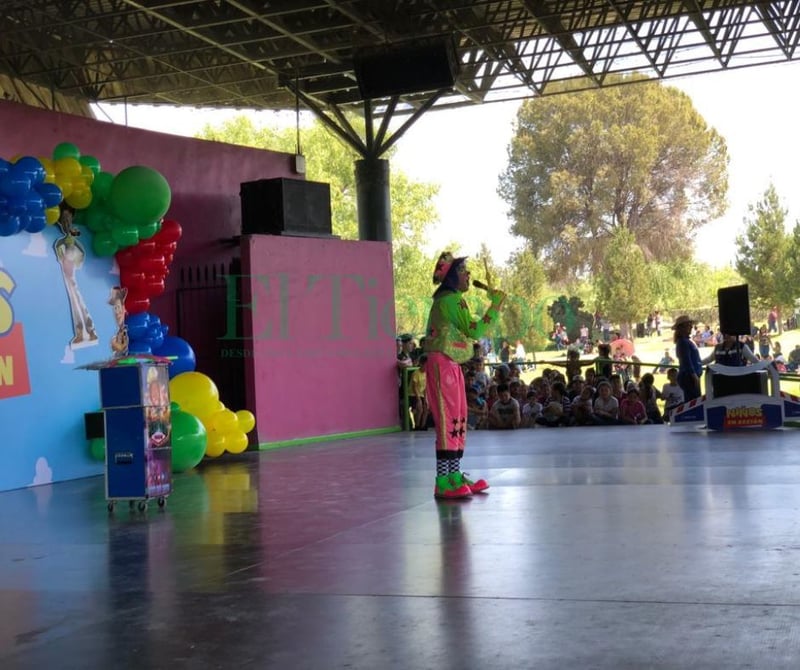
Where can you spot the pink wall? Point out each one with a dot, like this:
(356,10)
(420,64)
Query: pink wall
(321,312)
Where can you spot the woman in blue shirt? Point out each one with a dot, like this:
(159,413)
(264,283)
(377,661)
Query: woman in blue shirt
(689,366)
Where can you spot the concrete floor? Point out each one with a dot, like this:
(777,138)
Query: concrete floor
(624,547)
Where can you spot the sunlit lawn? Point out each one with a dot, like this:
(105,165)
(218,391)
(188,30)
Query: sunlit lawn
(650,351)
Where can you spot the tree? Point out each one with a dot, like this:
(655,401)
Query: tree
(623,288)
(332,162)
(586,164)
(766,254)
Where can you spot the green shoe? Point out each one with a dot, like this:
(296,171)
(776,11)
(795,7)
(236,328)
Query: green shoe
(447,487)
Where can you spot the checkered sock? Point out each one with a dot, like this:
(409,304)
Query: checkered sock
(442,467)
(455,465)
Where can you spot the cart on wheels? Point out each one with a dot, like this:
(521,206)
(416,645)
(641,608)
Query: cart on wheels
(134,394)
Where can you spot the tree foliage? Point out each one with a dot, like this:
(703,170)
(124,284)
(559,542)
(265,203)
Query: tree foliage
(637,157)
(332,162)
(623,288)
(766,255)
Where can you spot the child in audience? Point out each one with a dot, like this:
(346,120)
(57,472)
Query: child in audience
(606,406)
(631,409)
(649,397)
(531,410)
(573,364)
(556,410)
(583,409)
(505,410)
(671,393)
(477,411)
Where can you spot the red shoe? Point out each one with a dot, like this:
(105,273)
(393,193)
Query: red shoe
(451,487)
(476,487)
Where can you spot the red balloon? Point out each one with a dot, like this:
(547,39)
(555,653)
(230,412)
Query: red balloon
(152,264)
(126,257)
(171,231)
(137,305)
(130,278)
(146,247)
(154,287)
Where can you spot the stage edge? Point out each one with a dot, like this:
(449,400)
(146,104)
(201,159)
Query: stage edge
(263,446)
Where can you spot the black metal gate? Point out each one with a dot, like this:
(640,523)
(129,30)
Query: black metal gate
(205,316)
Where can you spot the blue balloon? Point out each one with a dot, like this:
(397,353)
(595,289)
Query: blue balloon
(36,223)
(138,347)
(9,225)
(15,183)
(51,194)
(31,167)
(181,354)
(137,325)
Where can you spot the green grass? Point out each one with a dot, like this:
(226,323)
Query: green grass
(651,349)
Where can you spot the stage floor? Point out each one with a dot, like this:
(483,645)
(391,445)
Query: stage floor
(624,547)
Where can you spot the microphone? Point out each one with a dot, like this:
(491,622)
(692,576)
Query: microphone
(477,283)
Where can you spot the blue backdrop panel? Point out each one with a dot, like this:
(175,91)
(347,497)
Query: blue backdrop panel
(43,432)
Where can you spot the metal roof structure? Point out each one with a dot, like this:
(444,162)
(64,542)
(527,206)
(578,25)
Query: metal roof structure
(263,54)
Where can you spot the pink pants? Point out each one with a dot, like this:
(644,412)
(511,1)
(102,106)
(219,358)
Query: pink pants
(447,399)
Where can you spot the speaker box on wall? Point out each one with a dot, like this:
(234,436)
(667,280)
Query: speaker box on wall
(734,310)
(286,207)
(407,68)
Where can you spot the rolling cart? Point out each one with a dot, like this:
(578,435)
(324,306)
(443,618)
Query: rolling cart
(136,407)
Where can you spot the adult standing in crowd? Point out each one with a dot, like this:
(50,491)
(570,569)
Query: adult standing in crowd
(690,368)
(449,336)
(731,352)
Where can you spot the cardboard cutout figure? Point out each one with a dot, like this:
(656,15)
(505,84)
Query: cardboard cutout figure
(71,255)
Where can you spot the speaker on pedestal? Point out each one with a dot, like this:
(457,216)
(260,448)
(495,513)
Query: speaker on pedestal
(734,310)
(286,207)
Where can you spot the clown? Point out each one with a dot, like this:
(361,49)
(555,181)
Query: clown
(449,337)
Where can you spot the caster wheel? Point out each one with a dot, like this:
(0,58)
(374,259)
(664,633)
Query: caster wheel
(131,504)
(111,506)
(142,506)
(162,501)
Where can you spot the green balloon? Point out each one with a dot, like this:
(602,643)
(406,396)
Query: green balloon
(124,234)
(147,230)
(139,195)
(66,150)
(101,186)
(188,441)
(91,162)
(97,448)
(104,245)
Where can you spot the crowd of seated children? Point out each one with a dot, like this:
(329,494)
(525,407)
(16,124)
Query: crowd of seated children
(503,401)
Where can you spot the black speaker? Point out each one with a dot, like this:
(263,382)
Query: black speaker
(286,207)
(406,68)
(724,385)
(94,425)
(734,310)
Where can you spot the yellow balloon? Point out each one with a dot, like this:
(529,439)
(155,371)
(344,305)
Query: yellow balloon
(65,184)
(247,421)
(224,421)
(52,214)
(80,199)
(87,175)
(236,442)
(49,170)
(68,167)
(215,446)
(194,392)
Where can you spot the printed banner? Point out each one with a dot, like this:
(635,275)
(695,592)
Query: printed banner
(14,380)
